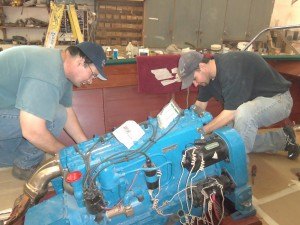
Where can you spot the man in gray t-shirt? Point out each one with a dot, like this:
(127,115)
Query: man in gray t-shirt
(36,100)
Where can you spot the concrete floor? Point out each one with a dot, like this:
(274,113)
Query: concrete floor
(276,189)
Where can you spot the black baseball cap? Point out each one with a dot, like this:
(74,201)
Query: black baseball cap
(187,65)
(96,54)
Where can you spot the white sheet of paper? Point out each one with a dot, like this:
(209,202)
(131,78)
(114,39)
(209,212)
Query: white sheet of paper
(162,74)
(128,133)
(168,114)
(167,82)
(174,70)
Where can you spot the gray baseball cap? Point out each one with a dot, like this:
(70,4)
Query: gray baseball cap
(187,65)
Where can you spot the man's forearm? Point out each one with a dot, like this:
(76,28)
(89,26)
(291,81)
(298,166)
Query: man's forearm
(34,129)
(221,120)
(46,142)
(73,128)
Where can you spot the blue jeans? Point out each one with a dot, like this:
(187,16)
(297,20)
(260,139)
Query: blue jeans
(263,112)
(16,150)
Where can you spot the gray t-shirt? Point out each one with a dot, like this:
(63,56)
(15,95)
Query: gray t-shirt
(32,79)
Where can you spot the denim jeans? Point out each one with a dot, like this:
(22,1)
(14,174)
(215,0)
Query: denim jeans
(263,112)
(16,150)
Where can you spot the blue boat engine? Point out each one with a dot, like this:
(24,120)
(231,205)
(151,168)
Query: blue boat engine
(172,174)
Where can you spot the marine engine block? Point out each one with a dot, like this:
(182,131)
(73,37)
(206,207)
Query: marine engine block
(171,175)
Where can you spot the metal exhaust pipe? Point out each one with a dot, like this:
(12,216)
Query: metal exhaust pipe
(35,188)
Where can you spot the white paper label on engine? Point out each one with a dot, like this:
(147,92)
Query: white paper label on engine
(168,114)
(128,133)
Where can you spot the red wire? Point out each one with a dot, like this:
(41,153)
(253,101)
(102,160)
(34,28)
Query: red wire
(214,207)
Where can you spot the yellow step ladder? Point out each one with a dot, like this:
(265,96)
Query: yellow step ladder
(57,10)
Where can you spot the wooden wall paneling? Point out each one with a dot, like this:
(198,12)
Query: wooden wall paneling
(88,105)
(286,67)
(121,75)
(125,103)
(118,76)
